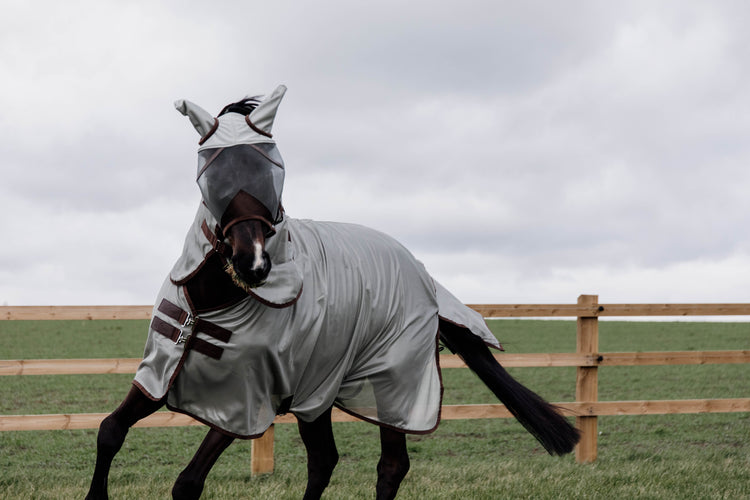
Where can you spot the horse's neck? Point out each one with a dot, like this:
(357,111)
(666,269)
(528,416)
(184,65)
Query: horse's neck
(211,288)
(196,247)
(279,246)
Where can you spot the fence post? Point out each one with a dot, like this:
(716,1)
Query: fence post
(261,453)
(587,342)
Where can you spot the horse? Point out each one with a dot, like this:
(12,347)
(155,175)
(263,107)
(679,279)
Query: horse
(264,314)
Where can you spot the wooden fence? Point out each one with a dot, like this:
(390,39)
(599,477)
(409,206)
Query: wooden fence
(587,359)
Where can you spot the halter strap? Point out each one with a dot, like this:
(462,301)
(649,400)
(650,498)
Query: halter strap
(216,239)
(245,206)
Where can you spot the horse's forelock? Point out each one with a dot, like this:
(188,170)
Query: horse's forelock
(243,107)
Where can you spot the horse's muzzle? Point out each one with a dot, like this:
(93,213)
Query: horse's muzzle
(252,270)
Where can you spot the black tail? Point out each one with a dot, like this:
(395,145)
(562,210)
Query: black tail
(538,417)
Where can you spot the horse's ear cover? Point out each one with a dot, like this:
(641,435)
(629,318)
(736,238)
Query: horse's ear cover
(262,116)
(232,129)
(199,117)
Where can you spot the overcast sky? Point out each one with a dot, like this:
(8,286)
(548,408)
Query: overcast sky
(526,152)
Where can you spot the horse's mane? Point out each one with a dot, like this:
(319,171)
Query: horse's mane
(243,107)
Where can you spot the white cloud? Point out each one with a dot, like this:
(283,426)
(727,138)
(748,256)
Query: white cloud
(526,152)
(491,278)
(67,256)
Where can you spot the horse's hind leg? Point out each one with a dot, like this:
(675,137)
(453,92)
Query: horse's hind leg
(112,432)
(322,455)
(393,464)
(189,485)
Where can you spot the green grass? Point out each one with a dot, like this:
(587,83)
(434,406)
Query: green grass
(661,456)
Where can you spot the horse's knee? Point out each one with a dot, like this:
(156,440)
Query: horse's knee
(111,436)
(393,464)
(391,471)
(326,463)
(322,455)
(394,469)
(187,488)
(320,469)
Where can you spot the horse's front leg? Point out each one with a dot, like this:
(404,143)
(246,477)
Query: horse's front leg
(393,464)
(112,432)
(322,455)
(189,485)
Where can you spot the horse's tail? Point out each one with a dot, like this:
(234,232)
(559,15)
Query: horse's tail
(540,418)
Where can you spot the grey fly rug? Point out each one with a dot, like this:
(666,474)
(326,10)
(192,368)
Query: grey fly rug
(347,317)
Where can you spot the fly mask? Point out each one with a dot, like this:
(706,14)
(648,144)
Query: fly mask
(241,178)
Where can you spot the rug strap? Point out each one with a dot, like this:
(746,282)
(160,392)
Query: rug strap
(191,341)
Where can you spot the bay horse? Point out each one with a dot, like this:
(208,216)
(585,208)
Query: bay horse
(264,314)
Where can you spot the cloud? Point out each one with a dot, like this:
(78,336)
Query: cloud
(72,256)
(539,148)
(476,277)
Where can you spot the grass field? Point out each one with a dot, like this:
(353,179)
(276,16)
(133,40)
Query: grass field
(670,456)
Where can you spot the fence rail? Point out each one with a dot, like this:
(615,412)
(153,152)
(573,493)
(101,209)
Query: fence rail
(587,359)
(129,365)
(487,310)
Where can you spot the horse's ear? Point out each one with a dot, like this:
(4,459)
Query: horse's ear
(199,117)
(262,116)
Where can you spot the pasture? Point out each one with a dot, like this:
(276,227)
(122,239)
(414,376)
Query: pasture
(659,456)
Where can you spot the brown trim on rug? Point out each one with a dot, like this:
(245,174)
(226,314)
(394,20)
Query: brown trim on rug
(195,272)
(189,299)
(440,375)
(405,431)
(198,303)
(214,426)
(172,378)
(177,370)
(381,424)
(219,247)
(469,330)
(146,393)
(273,305)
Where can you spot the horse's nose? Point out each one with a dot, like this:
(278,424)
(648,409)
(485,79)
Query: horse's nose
(252,269)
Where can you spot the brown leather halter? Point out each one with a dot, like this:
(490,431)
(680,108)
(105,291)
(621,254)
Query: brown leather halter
(244,207)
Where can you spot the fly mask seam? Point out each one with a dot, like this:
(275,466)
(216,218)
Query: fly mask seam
(210,161)
(264,155)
